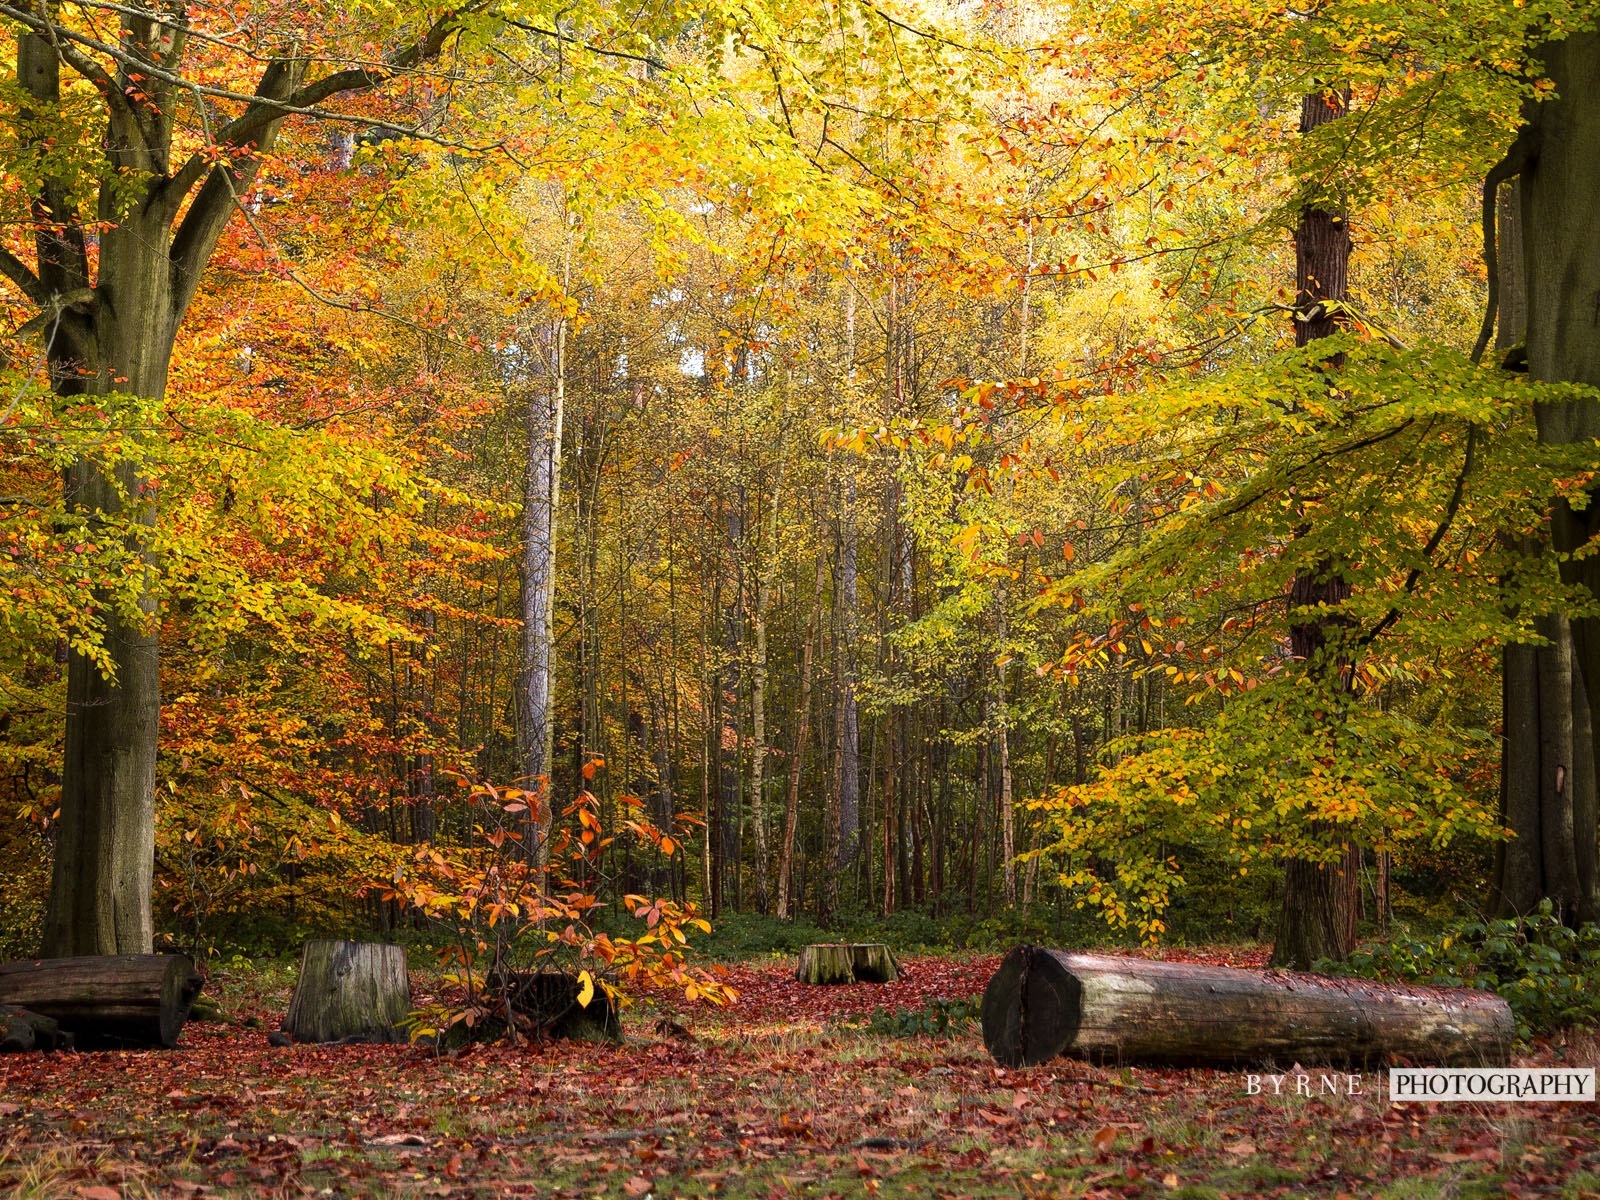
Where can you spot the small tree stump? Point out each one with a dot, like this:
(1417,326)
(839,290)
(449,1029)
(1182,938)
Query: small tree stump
(107,999)
(544,1004)
(1042,1003)
(350,992)
(842,962)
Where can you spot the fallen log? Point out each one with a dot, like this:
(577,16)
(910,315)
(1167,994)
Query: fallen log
(349,992)
(1043,1003)
(22,1031)
(840,962)
(107,1000)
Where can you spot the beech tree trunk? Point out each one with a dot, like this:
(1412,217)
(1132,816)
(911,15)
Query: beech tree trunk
(1043,1003)
(1560,219)
(350,992)
(107,321)
(107,1000)
(106,335)
(1317,918)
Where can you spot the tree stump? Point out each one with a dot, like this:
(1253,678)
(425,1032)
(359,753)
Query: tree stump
(843,962)
(543,1004)
(22,1031)
(107,999)
(350,992)
(1042,1003)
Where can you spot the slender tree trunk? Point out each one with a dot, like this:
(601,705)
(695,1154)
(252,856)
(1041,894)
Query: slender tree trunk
(1321,901)
(849,720)
(758,695)
(791,817)
(546,413)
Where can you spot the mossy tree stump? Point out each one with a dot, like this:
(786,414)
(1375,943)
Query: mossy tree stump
(350,992)
(844,962)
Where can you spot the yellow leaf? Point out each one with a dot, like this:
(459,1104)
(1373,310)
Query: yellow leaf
(585,989)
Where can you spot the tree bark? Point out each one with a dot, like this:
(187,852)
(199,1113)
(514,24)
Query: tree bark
(541,504)
(1560,220)
(791,817)
(350,991)
(1317,917)
(107,1000)
(1043,1003)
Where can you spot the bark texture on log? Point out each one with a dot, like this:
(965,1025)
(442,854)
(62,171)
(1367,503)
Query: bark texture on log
(837,962)
(1043,1003)
(350,992)
(107,1000)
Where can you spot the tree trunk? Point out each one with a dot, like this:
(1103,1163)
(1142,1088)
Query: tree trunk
(1008,835)
(107,1000)
(849,721)
(1043,1003)
(1560,219)
(758,694)
(541,504)
(1317,918)
(791,817)
(350,992)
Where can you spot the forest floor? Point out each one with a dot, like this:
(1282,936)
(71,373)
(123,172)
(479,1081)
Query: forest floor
(788,1093)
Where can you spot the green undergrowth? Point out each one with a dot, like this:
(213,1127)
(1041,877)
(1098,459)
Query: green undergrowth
(936,1018)
(1548,973)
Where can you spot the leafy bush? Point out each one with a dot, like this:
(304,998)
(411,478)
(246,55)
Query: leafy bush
(25,867)
(503,913)
(936,1018)
(1547,972)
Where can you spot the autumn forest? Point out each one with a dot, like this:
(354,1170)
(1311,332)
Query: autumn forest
(625,495)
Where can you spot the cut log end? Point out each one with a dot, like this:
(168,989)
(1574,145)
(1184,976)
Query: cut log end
(843,962)
(1031,1009)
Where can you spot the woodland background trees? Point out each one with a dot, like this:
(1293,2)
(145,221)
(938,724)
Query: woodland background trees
(872,440)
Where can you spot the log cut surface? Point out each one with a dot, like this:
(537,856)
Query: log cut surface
(844,962)
(107,1000)
(350,992)
(1042,1003)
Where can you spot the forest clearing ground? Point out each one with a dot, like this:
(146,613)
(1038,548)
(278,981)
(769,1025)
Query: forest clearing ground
(784,1095)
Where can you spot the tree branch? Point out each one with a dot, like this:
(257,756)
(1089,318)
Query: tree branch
(14,269)
(1512,164)
(65,42)
(1450,509)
